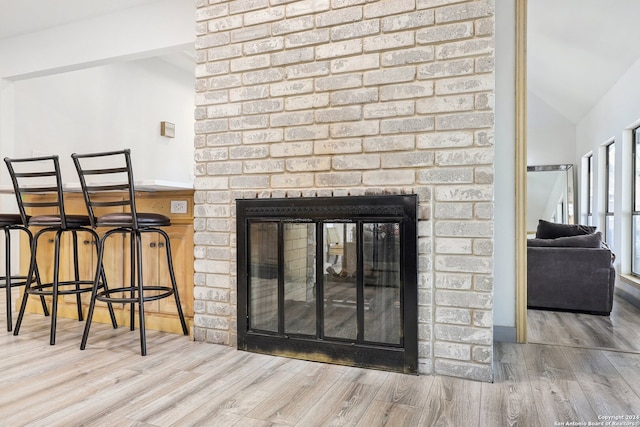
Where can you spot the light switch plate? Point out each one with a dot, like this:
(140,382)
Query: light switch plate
(178,206)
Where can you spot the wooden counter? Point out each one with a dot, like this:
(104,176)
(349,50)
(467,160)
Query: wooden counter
(160,315)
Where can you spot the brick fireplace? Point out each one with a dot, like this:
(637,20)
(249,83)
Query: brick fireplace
(341,98)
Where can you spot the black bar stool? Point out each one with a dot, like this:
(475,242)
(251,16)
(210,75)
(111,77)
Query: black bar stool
(9,222)
(109,172)
(38,187)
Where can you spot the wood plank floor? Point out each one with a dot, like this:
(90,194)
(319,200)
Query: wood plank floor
(186,383)
(619,331)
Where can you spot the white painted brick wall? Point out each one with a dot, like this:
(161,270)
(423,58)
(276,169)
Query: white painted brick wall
(352,97)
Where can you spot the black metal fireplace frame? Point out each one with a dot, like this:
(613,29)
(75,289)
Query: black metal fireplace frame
(388,208)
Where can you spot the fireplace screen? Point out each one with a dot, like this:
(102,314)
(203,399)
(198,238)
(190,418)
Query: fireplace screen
(329,279)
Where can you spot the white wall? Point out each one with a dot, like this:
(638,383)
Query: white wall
(504,251)
(613,117)
(544,191)
(82,87)
(6,115)
(110,107)
(7,110)
(551,138)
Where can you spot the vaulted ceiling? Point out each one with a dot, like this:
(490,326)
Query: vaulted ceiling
(578,49)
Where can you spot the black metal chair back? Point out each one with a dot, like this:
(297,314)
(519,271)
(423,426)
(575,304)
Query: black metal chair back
(107,172)
(39,177)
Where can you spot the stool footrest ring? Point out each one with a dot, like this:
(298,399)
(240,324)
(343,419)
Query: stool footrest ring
(83,286)
(159,293)
(15,281)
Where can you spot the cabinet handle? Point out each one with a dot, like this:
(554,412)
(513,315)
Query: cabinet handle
(152,244)
(87,242)
(161,245)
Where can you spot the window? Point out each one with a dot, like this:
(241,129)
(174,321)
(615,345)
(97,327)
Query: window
(610,192)
(635,205)
(589,203)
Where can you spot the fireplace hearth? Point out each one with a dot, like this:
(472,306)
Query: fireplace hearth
(330,279)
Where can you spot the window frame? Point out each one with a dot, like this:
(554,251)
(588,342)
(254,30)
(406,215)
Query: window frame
(609,204)
(589,192)
(635,202)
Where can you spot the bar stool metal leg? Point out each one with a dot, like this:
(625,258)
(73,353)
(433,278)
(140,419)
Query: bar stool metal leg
(135,293)
(132,306)
(7,282)
(138,258)
(54,286)
(27,287)
(7,272)
(56,281)
(99,277)
(174,284)
(11,281)
(76,274)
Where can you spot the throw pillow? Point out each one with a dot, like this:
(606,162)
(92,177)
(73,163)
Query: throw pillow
(585,241)
(552,230)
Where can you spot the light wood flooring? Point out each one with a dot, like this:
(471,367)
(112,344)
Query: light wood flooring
(184,383)
(620,331)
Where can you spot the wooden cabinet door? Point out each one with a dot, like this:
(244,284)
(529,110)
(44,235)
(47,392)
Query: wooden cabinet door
(181,238)
(156,270)
(150,263)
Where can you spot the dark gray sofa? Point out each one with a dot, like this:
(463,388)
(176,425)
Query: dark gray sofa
(570,273)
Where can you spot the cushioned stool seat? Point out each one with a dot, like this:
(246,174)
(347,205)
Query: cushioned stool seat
(7,220)
(121,219)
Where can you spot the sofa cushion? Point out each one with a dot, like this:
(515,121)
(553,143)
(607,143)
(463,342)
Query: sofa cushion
(604,245)
(584,241)
(552,230)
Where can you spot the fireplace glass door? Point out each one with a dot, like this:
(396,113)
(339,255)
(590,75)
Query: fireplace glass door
(376,303)
(329,284)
